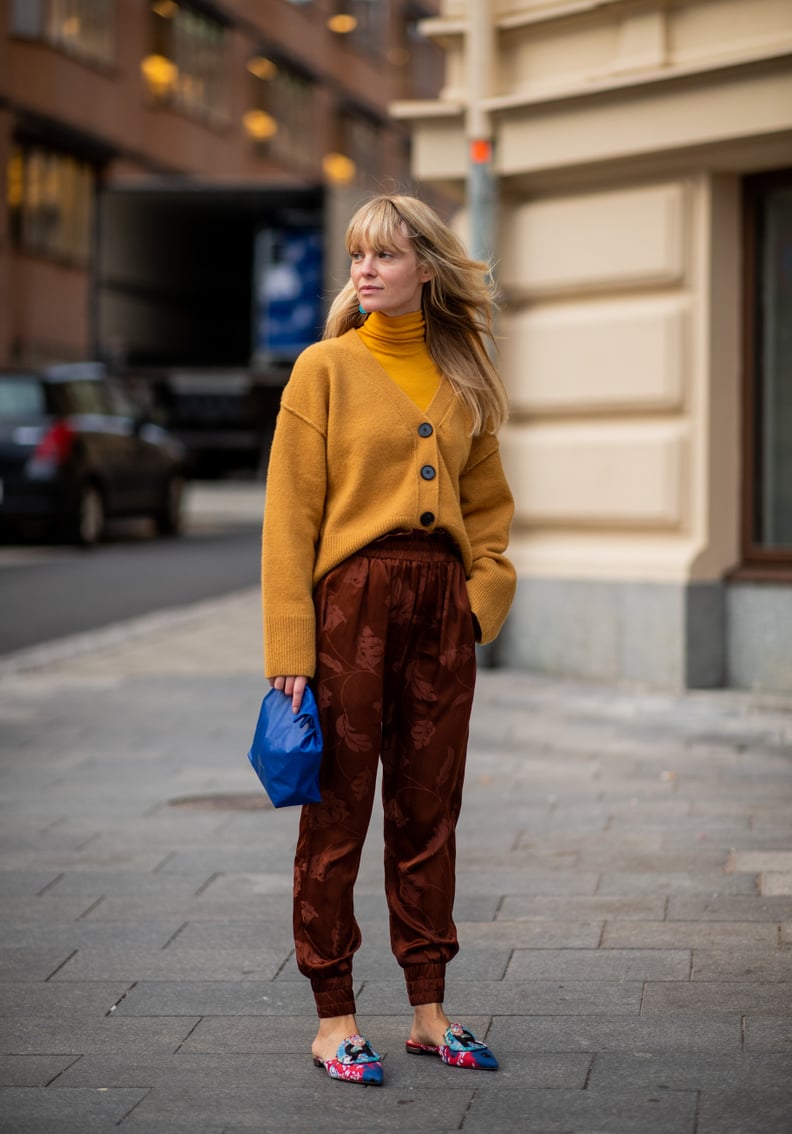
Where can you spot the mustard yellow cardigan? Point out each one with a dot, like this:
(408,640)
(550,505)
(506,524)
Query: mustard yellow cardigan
(353,458)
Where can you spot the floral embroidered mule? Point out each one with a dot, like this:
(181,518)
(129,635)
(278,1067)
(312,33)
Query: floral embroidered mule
(460,1048)
(356,1061)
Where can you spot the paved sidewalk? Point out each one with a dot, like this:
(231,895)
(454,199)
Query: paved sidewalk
(624,905)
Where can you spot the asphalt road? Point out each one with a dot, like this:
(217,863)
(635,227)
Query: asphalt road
(49,592)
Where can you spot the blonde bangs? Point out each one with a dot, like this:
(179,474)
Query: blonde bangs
(380,225)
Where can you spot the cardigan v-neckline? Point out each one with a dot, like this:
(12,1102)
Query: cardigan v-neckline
(444,394)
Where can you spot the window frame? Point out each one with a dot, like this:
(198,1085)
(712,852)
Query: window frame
(758,562)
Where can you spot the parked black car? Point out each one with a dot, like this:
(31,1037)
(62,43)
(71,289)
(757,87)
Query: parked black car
(73,454)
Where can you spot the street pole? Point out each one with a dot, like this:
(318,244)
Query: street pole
(481,185)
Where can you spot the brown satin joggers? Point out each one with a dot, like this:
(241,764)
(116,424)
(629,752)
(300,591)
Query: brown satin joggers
(396,669)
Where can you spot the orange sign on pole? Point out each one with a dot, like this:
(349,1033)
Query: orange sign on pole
(480,151)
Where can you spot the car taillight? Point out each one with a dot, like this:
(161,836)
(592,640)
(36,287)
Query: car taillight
(55,446)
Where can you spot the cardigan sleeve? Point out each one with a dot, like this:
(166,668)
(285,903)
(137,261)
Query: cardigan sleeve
(296,487)
(487,509)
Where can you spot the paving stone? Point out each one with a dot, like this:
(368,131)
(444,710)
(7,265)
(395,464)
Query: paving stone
(25,883)
(32,963)
(218,998)
(68,936)
(274,908)
(670,1071)
(685,934)
(22,911)
(746,1111)
(185,1123)
(32,1070)
(43,1035)
(97,883)
(67,1001)
(248,887)
(529,934)
(94,857)
(118,963)
(734,962)
(677,884)
(264,1108)
(776,884)
(250,934)
(729,908)
(518,880)
(559,1111)
(577,909)
(617,855)
(757,862)
(605,1033)
(232,861)
(34,1110)
(721,998)
(597,965)
(768,1033)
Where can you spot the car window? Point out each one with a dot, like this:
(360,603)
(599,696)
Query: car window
(21,395)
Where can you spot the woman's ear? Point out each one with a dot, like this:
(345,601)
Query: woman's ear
(424,272)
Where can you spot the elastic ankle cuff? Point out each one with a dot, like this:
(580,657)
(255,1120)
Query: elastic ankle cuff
(425,983)
(334,996)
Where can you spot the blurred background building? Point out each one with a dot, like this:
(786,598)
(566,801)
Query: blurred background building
(178,179)
(643,165)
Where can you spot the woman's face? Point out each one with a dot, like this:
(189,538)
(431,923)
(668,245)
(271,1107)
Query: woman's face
(389,281)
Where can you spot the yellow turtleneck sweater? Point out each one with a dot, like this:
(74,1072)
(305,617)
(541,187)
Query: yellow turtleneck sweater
(399,345)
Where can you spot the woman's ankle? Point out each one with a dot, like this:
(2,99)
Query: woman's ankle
(429,1023)
(332,1031)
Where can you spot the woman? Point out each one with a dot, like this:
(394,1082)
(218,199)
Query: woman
(385,526)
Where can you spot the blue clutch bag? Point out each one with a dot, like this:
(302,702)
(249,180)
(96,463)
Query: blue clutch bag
(286,752)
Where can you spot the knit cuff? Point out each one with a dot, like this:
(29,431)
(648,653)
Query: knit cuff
(425,983)
(334,996)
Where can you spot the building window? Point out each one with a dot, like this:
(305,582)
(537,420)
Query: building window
(186,64)
(83,28)
(361,22)
(767,503)
(50,203)
(420,61)
(282,120)
(356,155)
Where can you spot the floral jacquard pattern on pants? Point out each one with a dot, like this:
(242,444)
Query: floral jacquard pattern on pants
(395,680)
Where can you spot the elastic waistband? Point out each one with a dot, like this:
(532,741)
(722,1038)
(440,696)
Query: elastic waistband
(430,546)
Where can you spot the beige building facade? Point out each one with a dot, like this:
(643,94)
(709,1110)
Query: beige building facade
(642,157)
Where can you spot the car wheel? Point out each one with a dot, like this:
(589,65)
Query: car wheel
(170,517)
(89,519)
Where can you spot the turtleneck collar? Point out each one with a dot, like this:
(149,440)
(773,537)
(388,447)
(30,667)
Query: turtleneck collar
(401,329)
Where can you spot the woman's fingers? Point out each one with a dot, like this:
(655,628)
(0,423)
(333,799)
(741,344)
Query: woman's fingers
(293,687)
(296,691)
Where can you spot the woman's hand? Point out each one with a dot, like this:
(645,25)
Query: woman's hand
(293,687)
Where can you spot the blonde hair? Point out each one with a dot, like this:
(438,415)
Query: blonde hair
(458,301)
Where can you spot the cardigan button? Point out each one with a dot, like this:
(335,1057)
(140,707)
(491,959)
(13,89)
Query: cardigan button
(425,429)
(427,519)
(428,472)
